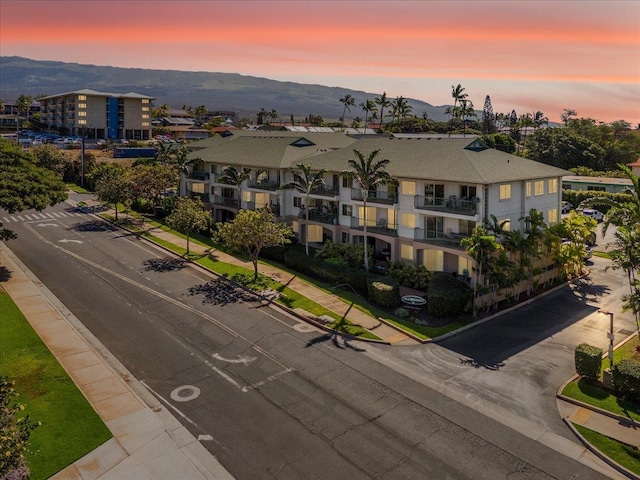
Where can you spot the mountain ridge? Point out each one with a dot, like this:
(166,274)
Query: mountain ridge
(243,94)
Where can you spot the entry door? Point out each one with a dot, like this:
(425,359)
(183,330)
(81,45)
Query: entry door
(434,227)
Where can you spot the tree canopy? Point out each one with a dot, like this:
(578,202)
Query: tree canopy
(24,185)
(188,217)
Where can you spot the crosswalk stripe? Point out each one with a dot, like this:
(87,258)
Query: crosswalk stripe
(29,218)
(42,215)
(49,215)
(20,218)
(6,219)
(14,219)
(56,214)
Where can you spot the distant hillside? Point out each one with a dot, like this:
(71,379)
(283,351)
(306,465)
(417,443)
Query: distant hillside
(216,91)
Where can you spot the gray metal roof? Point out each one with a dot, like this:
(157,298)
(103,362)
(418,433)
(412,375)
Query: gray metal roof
(94,93)
(434,158)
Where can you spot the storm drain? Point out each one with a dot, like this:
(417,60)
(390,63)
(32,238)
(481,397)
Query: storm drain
(185,393)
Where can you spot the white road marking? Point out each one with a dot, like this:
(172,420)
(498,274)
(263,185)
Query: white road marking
(244,360)
(48,215)
(47,225)
(28,217)
(224,375)
(204,438)
(168,404)
(268,379)
(6,219)
(14,219)
(21,219)
(66,240)
(55,214)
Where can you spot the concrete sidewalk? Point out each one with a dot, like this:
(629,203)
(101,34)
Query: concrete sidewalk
(148,442)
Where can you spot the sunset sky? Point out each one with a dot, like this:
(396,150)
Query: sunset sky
(527,55)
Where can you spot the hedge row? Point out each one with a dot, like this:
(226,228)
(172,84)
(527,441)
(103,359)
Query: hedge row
(588,361)
(448,296)
(626,378)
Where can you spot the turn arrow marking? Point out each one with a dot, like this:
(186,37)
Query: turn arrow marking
(65,240)
(245,360)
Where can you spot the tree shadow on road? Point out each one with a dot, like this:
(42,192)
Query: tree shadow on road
(165,264)
(92,226)
(222,292)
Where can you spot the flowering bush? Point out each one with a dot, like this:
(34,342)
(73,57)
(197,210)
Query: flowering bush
(14,434)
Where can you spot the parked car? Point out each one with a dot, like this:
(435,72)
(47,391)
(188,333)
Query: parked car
(566,207)
(593,213)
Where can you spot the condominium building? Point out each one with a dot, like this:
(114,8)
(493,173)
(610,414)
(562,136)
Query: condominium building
(99,114)
(446,186)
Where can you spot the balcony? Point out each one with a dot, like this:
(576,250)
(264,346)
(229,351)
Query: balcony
(446,205)
(326,191)
(275,208)
(226,201)
(198,176)
(320,217)
(434,237)
(376,226)
(388,198)
(202,196)
(270,185)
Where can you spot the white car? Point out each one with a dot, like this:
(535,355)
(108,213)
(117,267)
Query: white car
(593,213)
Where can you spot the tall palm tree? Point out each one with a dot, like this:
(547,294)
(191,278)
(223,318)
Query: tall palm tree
(466,110)
(401,109)
(181,162)
(480,245)
(370,173)
(164,152)
(200,112)
(457,92)
(367,106)
(262,116)
(23,105)
(305,182)
(383,102)
(539,119)
(347,101)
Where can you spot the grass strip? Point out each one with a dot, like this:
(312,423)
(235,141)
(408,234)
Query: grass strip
(70,428)
(601,398)
(619,452)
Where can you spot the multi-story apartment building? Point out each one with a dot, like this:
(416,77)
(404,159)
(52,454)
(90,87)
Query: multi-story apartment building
(99,114)
(446,186)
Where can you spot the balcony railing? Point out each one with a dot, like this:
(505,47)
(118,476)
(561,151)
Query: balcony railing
(434,237)
(360,194)
(448,205)
(264,184)
(275,208)
(375,226)
(321,217)
(198,176)
(327,190)
(226,201)
(202,196)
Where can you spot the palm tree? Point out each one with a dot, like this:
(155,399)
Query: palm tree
(367,106)
(622,212)
(164,151)
(457,92)
(262,115)
(235,177)
(383,102)
(479,246)
(347,101)
(304,181)
(200,112)
(181,163)
(273,115)
(466,110)
(539,120)
(401,109)
(23,105)
(370,173)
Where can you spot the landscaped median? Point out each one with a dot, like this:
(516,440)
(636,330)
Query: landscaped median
(69,427)
(591,395)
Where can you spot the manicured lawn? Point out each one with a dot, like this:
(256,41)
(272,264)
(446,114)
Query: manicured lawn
(599,397)
(76,188)
(70,427)
(621,453)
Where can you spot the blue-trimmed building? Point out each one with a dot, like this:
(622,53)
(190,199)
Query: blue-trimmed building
(99,114)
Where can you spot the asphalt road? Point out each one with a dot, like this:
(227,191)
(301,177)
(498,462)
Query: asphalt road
(271,398)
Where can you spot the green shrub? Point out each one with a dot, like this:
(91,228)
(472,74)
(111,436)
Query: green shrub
(412,276)
(351,253)
(401,312)
(588,360)
(576,197)
(275,253)
(384,292)
(626,378)
(448,296)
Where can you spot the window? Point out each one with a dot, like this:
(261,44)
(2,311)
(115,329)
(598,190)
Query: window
(347,182)
(145,109)
(297,202)
(408,220)
(538,187)
(408,188)
(145,100)
(468,192)
(553,185)
(465,227)
(145,124)
(347,210)
(82,97)
(345,237)
(566,186)
(505,191)
(82,105)
(82,114)
(145,115)
(434,190)
(596,189)
(528,189)
(406,252)
(552,216)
